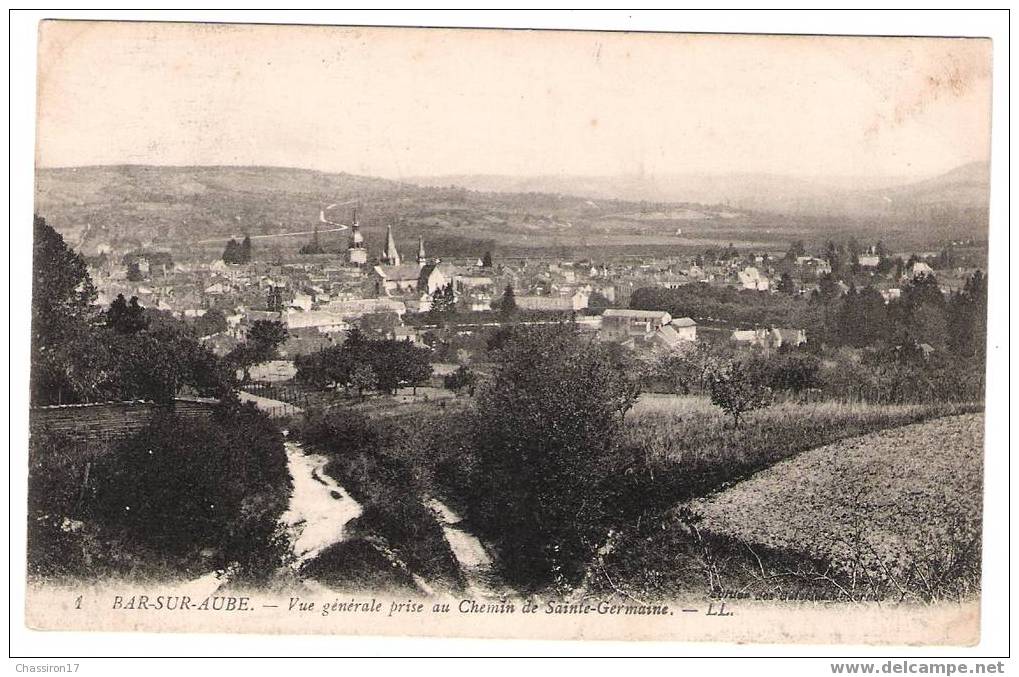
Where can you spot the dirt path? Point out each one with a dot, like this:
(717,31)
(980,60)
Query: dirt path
(319,508)
(476,563)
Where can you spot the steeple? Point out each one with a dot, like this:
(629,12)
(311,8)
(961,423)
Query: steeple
(421,251)
(356,253)
(389,255)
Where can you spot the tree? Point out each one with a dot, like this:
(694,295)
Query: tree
(796,250)
(362,378)
(786,284)
(231,253)
(795,372)
(967,318)
(462,378)
(443,301)
(126,318)
(832,254)
(598,300)
(266,336)
(862,319)
(508,304)
(543,441)
(739,389)
(486,261)
(261,345)
(378,325)
(134,272)
(62,316)
(212,322)
(245,251)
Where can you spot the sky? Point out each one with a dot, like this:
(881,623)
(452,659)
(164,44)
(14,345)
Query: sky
(400,103)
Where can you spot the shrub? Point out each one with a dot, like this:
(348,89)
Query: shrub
(179,487)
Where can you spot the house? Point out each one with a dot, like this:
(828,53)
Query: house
(751,278)
(558,303)
(869,260)
(322,320)
(920,268)
(410,334)
(892,294)
(431,278)
(620,324)
(390,280)
(675,338)
(685,327)
(770,339)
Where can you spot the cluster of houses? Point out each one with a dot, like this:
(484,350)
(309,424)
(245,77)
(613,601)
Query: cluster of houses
(319,296)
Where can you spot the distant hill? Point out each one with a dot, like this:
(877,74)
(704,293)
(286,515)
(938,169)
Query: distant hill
(960,195)
(143,205)
(128,207)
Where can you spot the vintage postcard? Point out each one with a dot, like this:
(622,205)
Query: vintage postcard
(508,333)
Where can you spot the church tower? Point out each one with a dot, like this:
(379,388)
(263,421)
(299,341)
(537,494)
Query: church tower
(357,254)
(422,259)
(390,256)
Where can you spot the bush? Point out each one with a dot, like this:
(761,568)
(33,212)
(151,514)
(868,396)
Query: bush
(180,487)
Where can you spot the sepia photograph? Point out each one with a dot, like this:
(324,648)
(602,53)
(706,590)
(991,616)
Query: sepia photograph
(508,334)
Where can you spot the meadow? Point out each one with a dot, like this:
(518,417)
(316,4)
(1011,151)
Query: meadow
(896,513)
(681,449)
(689,447)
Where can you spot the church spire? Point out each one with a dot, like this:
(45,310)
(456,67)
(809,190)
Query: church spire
(390,255)
(421,251)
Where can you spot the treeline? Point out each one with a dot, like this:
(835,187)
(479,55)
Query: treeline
(237,252)
(738,308)
(180,496)
(858,318)
(82,353)
(366,364)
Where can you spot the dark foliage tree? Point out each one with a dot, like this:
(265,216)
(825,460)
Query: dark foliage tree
(134,272)
(212,322)
(126,318)
(378,325)
(598,300)
(967,318)
(796,249)
(260,345)
(794,372)
(862,318)
(786,284)
(547,426)
(63,364)
(462,378)
(508,303)
(443,301)
(486,261)
(237,252)
(362,378)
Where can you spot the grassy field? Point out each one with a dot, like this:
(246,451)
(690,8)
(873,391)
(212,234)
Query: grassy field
(895,513)
(689,447)
(682,448)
